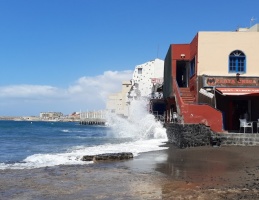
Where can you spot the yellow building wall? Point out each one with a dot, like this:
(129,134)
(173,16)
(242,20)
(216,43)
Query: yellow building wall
(214,49)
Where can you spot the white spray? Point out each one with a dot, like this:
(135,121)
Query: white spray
(139,125)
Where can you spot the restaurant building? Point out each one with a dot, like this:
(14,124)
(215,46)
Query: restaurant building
(214,80)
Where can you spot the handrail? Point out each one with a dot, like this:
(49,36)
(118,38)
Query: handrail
(191,113)
(194,103)
(176,91)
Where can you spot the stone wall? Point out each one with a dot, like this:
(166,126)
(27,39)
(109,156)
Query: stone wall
(239,139)
(188,135)
(192,135)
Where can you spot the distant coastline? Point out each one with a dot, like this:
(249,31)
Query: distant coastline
(34,118)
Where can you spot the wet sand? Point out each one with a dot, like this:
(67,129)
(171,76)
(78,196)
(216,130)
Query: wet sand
(194,173)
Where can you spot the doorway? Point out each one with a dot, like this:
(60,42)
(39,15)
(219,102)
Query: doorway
(182,73)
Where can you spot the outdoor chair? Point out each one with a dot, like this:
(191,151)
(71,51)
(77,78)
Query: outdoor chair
(175,116)
(244,124)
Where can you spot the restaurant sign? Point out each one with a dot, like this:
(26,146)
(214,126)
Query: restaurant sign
(157,80)
(210,81)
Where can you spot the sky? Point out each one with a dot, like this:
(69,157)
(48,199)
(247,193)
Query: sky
(69,55)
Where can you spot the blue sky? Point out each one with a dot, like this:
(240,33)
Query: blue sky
(68,55)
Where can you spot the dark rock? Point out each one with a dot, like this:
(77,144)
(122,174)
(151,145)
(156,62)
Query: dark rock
(108,157)
(87,158)
(189,135)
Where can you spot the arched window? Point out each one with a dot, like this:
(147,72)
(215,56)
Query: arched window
(237,62)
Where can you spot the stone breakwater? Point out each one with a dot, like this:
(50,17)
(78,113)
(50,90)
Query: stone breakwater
(108,157)
(188,135)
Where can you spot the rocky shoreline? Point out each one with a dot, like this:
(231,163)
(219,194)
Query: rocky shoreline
(191,173)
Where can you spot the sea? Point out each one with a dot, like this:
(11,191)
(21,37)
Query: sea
(36,144)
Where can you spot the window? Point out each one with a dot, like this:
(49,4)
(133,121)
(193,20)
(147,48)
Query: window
(139,70)
(237,62)
(192,67)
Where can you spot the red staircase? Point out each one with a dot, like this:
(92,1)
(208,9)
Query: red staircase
(192,113)
(186,95)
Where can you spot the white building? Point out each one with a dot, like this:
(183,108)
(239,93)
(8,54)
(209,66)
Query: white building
(117,103)
(51,115)
(146,76)
(99,114)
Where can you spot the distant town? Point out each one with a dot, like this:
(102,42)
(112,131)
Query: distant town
(59,116)
(45,116)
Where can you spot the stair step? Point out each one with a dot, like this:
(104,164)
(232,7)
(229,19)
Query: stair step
(188,101)
(186,95)
(184,90)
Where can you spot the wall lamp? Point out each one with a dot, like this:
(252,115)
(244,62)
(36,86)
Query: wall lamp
(237,77)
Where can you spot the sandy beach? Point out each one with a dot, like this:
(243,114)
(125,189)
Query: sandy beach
(193,173)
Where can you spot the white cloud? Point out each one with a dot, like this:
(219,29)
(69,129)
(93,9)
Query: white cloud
(101,85)
(27,91)
(86,93)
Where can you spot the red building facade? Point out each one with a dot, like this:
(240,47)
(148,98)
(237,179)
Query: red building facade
(205,83)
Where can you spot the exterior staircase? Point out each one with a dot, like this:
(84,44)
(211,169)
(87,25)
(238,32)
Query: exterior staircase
(186,95)
(190,112)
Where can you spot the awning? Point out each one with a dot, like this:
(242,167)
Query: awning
(238,91)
